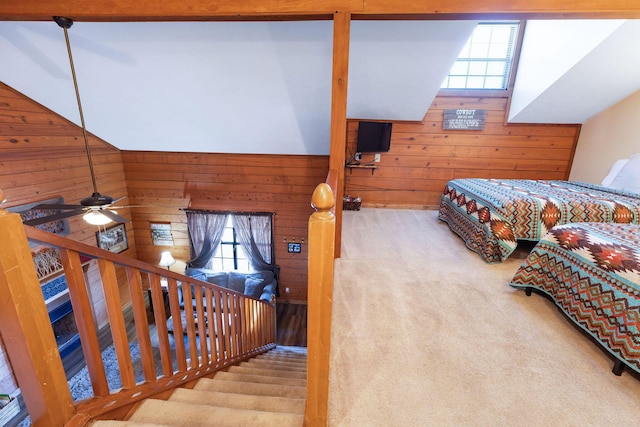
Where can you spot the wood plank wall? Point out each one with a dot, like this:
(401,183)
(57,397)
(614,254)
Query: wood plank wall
(423,156)
(42,156)
(169,182)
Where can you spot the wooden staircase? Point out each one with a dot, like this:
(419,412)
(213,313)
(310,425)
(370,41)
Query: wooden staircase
(267,390)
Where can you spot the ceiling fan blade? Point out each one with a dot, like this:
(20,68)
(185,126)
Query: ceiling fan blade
(113,216)
(118,199)
(48,206)
(138,206)
(54,217)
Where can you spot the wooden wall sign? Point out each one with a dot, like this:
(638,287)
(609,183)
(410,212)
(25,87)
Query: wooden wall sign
(161,234)
(464,119)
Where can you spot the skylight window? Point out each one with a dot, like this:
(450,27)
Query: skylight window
(485,61)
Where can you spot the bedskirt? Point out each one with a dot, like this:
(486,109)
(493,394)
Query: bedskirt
(592,272)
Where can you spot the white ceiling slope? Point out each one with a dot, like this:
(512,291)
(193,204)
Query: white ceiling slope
(570,71)
(396,69)
(250,87)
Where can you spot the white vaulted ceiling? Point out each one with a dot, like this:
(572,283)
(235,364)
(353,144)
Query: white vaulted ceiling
(265,87)
(572,70)
(251,87)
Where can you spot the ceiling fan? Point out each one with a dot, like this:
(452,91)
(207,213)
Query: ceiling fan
(97,208)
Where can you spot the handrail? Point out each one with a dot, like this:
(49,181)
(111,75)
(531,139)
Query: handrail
(236,327)
(320,290)
(332,180)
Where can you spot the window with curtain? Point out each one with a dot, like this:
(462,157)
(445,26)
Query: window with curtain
(231,241)
(230,255)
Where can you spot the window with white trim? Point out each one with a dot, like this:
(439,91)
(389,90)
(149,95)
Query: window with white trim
(486,60)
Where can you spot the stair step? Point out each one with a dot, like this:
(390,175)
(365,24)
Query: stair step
(285,359)
(115,423)
(275,365)
(179,414)
(266,372)
(235,376)
(284,355)
(251,388)
(239,401)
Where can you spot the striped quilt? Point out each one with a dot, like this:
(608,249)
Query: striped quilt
(592,272)
(491,215)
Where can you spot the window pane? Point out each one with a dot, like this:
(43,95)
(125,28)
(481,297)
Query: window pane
(480,50)
(478,68)
(475,82)
(489,41)
(494,83)
(216,264)
(496,68)
(498,50)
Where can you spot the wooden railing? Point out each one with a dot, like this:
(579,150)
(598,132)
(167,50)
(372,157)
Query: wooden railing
(322,226)
(236,328)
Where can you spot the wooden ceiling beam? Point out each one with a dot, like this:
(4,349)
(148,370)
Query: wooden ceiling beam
(191,10)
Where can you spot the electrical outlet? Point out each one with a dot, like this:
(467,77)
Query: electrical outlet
(377,159)
(358,156)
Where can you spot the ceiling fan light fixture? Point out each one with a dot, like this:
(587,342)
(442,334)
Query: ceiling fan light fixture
(96,218)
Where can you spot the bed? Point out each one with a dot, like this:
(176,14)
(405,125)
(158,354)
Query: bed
(592,272)
(491,215)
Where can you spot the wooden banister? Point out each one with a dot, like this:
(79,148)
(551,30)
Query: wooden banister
(321,263)
(237,327)
(31,348)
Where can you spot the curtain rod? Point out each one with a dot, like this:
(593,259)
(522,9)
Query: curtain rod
(227,212)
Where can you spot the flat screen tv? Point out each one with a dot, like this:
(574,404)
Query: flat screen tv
(373,137)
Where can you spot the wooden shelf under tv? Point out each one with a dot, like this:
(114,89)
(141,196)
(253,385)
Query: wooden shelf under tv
(373,167)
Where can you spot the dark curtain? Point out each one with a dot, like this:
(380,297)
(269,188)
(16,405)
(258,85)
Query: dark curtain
(205,232)
(255,236)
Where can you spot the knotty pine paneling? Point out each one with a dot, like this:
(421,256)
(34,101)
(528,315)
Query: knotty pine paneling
(42,156)
(423,156)
(165,183)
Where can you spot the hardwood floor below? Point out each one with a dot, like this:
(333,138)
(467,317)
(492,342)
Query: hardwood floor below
(291,324)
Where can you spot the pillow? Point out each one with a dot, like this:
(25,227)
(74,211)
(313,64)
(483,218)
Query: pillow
(265,275)
(628,179)
(615,168)
(196,274)
(253,287)
(220,278)
(236,281)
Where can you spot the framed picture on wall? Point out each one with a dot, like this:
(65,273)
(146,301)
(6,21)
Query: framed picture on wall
(113,239)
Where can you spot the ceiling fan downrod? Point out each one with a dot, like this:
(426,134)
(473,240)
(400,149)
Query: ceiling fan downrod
(65,24)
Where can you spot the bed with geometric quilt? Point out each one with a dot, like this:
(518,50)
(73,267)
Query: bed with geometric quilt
(491,215)
(592,273)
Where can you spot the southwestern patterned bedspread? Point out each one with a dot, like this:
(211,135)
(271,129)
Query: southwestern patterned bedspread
(592,272)
(491,215)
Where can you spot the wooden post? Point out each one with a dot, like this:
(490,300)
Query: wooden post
(26,331)
(321,261)
(339,79)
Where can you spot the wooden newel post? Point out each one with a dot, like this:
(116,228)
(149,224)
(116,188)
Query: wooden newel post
(320,294)
(25,328)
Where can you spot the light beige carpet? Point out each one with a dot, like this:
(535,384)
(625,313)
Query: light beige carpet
(427,334)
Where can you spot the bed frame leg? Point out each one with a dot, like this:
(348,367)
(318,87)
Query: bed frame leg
(618,367)
(528,291)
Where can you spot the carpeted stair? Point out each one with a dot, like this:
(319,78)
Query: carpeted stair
(268,390)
